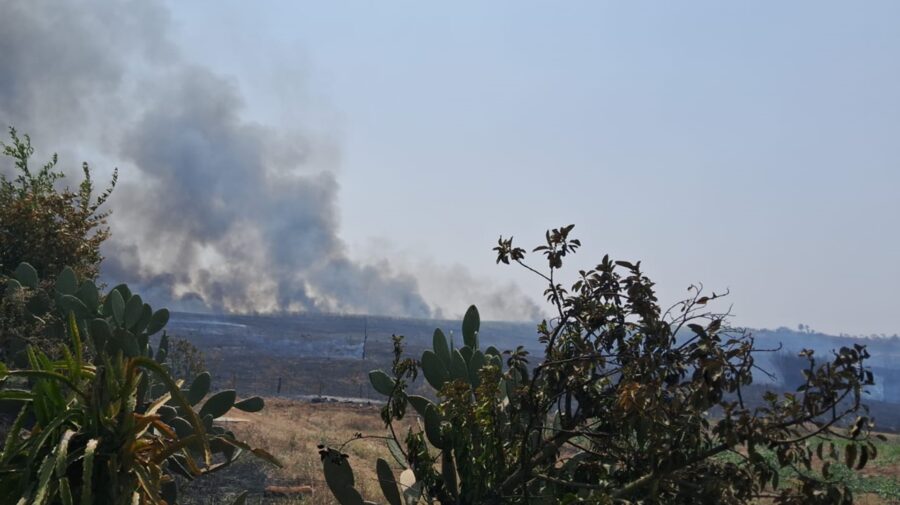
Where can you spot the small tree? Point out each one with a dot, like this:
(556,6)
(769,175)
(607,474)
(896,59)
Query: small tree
(49,228)
(630,403)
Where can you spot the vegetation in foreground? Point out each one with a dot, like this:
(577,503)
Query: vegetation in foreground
(616,411)
(292,429)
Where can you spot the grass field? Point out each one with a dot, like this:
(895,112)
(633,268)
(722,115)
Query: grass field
(291,430)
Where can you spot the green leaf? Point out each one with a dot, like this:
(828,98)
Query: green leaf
(241,499)
(12,286)
(387,482)
(199,388)
(419,403)
(133,310)
(458,369)
(67,282)
(339,477)
(100,333)
(435,372)
(182,427)
(89,295)
(396,452)
(158,321)
(433,427)
(123,290)
(850,455)
(218,404)
(71,303)
(146,316)
(26,275)
(382,382)
(441,348)
(252,404)
(470,327)
(117,305)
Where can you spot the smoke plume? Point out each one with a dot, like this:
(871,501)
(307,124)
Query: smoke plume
(213,211)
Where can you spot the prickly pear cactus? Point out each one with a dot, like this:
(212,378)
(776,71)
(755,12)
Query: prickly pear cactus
(435,462)
(112,400)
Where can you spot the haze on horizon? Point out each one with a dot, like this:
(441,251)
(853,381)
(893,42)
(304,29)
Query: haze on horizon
(364,157)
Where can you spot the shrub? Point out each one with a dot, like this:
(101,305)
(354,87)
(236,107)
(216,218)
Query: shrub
(617,410)
(115,429)
(48,228)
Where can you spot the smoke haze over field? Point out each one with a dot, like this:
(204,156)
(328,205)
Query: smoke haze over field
(350,156)
(213,211)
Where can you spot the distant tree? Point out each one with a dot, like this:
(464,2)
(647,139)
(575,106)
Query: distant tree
(622,407)
(185,360)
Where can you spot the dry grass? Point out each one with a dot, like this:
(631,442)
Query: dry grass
(292,431)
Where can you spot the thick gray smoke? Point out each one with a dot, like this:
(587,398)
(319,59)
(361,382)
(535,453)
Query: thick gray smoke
(213,212)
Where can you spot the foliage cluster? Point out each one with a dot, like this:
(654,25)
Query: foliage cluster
(49,228)
(115,429)
(617,410)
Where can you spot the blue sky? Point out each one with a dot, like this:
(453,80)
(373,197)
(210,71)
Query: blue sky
(752,146)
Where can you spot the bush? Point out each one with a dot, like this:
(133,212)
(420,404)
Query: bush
(48,228)
(115,429)
(617,410)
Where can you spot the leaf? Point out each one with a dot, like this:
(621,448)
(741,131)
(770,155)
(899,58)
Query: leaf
(133,310)
(66,282)
(850,455)
(71,303)
(395,451)
(382,382)
(181,426)
(88,294)
(863,457)
(218,404)
(470,327)
(100,334)
(435,372)
(441,348)
(199,388)
(12,286)
(433,427)
(339,477)
(252,404)
(419,403)
(26,275)
(458,369)
(387,482)
(146,316)
(158,321)
(117,305)
(241,498)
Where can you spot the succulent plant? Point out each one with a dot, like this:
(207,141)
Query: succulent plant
(115,427)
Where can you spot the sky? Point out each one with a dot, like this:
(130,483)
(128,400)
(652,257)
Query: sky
(751,147)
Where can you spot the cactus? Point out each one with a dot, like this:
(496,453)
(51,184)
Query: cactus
(449,371)
(120,408)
